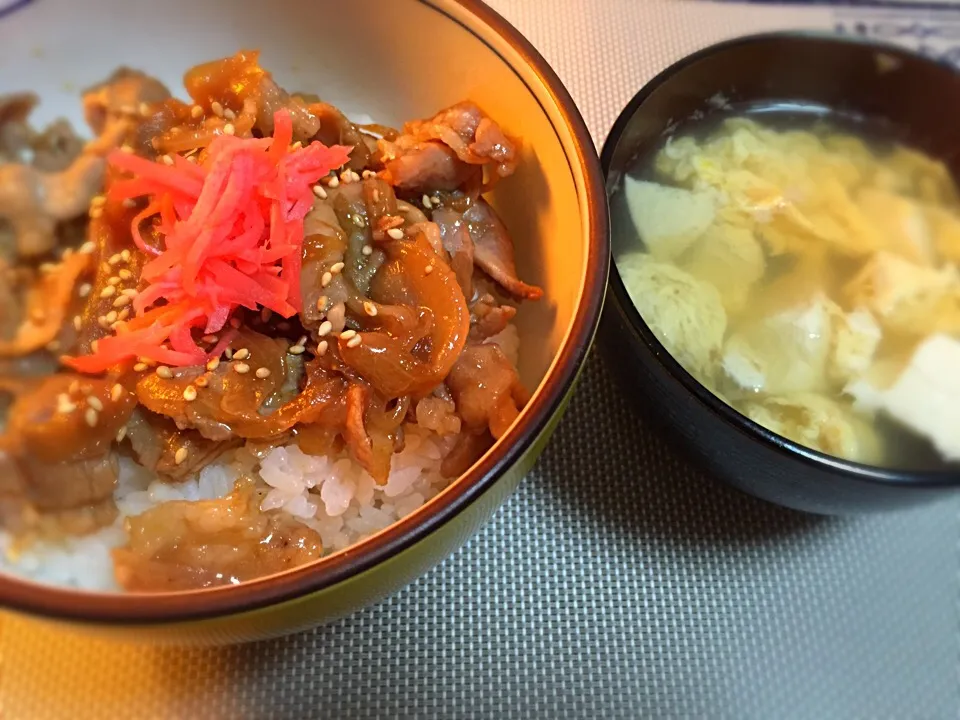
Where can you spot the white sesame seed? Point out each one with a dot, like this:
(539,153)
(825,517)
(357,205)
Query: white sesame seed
(367,250)
(126,149)
(196,111)
(358,221)
(144,109)
(124,274)
(229,129)
(96,212)
(125,255)
(209,338)
(395,233)
(179,456)
(369,308)
(322,348)
(114,280)
(108,291)
(192,159)
(347,334)
(88,247)
(426,201)
(201,382)
(121,433)
(263,373)
(130,292)
(77,323)
(110,317)
(167,160)
(337,267)
(116,392)
(91,417)
(334,182)
(213,364)
(241,368)
(296,146)
(140,367)
(326,279)
(368,174)
(345,177)
(325,328)
(296,349)
(322,303)
(94,402)
(189,393)
(354,341)
(124,314)
(102,322)
(428,269)
(129,203)
(302,340)
(122,300)
(229,353)
(115,259)
(229,114)
(217,108)
(98,201)
(241,354)
(95,345)
(164,372)
(320,192)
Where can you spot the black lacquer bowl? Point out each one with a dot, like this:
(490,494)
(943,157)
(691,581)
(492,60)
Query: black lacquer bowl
(918,97)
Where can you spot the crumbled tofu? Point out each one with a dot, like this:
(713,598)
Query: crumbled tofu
(685,314)
(856,336)
(668,219)
(901,223)
(925,397)
(819,423)
(889,283)
(945,225)
(784,353)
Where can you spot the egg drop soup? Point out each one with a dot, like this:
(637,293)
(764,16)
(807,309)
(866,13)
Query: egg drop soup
(805,273)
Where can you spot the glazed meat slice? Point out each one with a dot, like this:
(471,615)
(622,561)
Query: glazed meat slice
(57,458)
(47,306)
(173,454)
(493,251)
(486,389)
(418,160)
(227,403)
(336,129)
(16,134)
(187,545)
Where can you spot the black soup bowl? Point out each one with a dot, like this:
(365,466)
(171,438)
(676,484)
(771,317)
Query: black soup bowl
(917,98)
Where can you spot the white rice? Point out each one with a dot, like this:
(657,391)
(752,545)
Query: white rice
(333,495)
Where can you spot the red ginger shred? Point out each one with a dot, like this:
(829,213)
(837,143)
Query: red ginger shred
(232,233)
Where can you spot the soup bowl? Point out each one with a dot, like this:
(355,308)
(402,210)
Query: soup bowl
(388,61)
(910,96)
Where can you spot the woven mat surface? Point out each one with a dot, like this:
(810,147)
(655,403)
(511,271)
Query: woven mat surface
(617,583)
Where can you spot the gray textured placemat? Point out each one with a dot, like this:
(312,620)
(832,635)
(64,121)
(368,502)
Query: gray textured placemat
(617,583)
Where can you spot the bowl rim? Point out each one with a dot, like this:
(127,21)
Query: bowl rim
(113,609)
(868,474)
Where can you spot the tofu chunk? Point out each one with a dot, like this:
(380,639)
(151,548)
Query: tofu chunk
(925,398)
(786,352)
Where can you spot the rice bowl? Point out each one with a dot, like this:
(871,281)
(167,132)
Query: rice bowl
(563,201)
